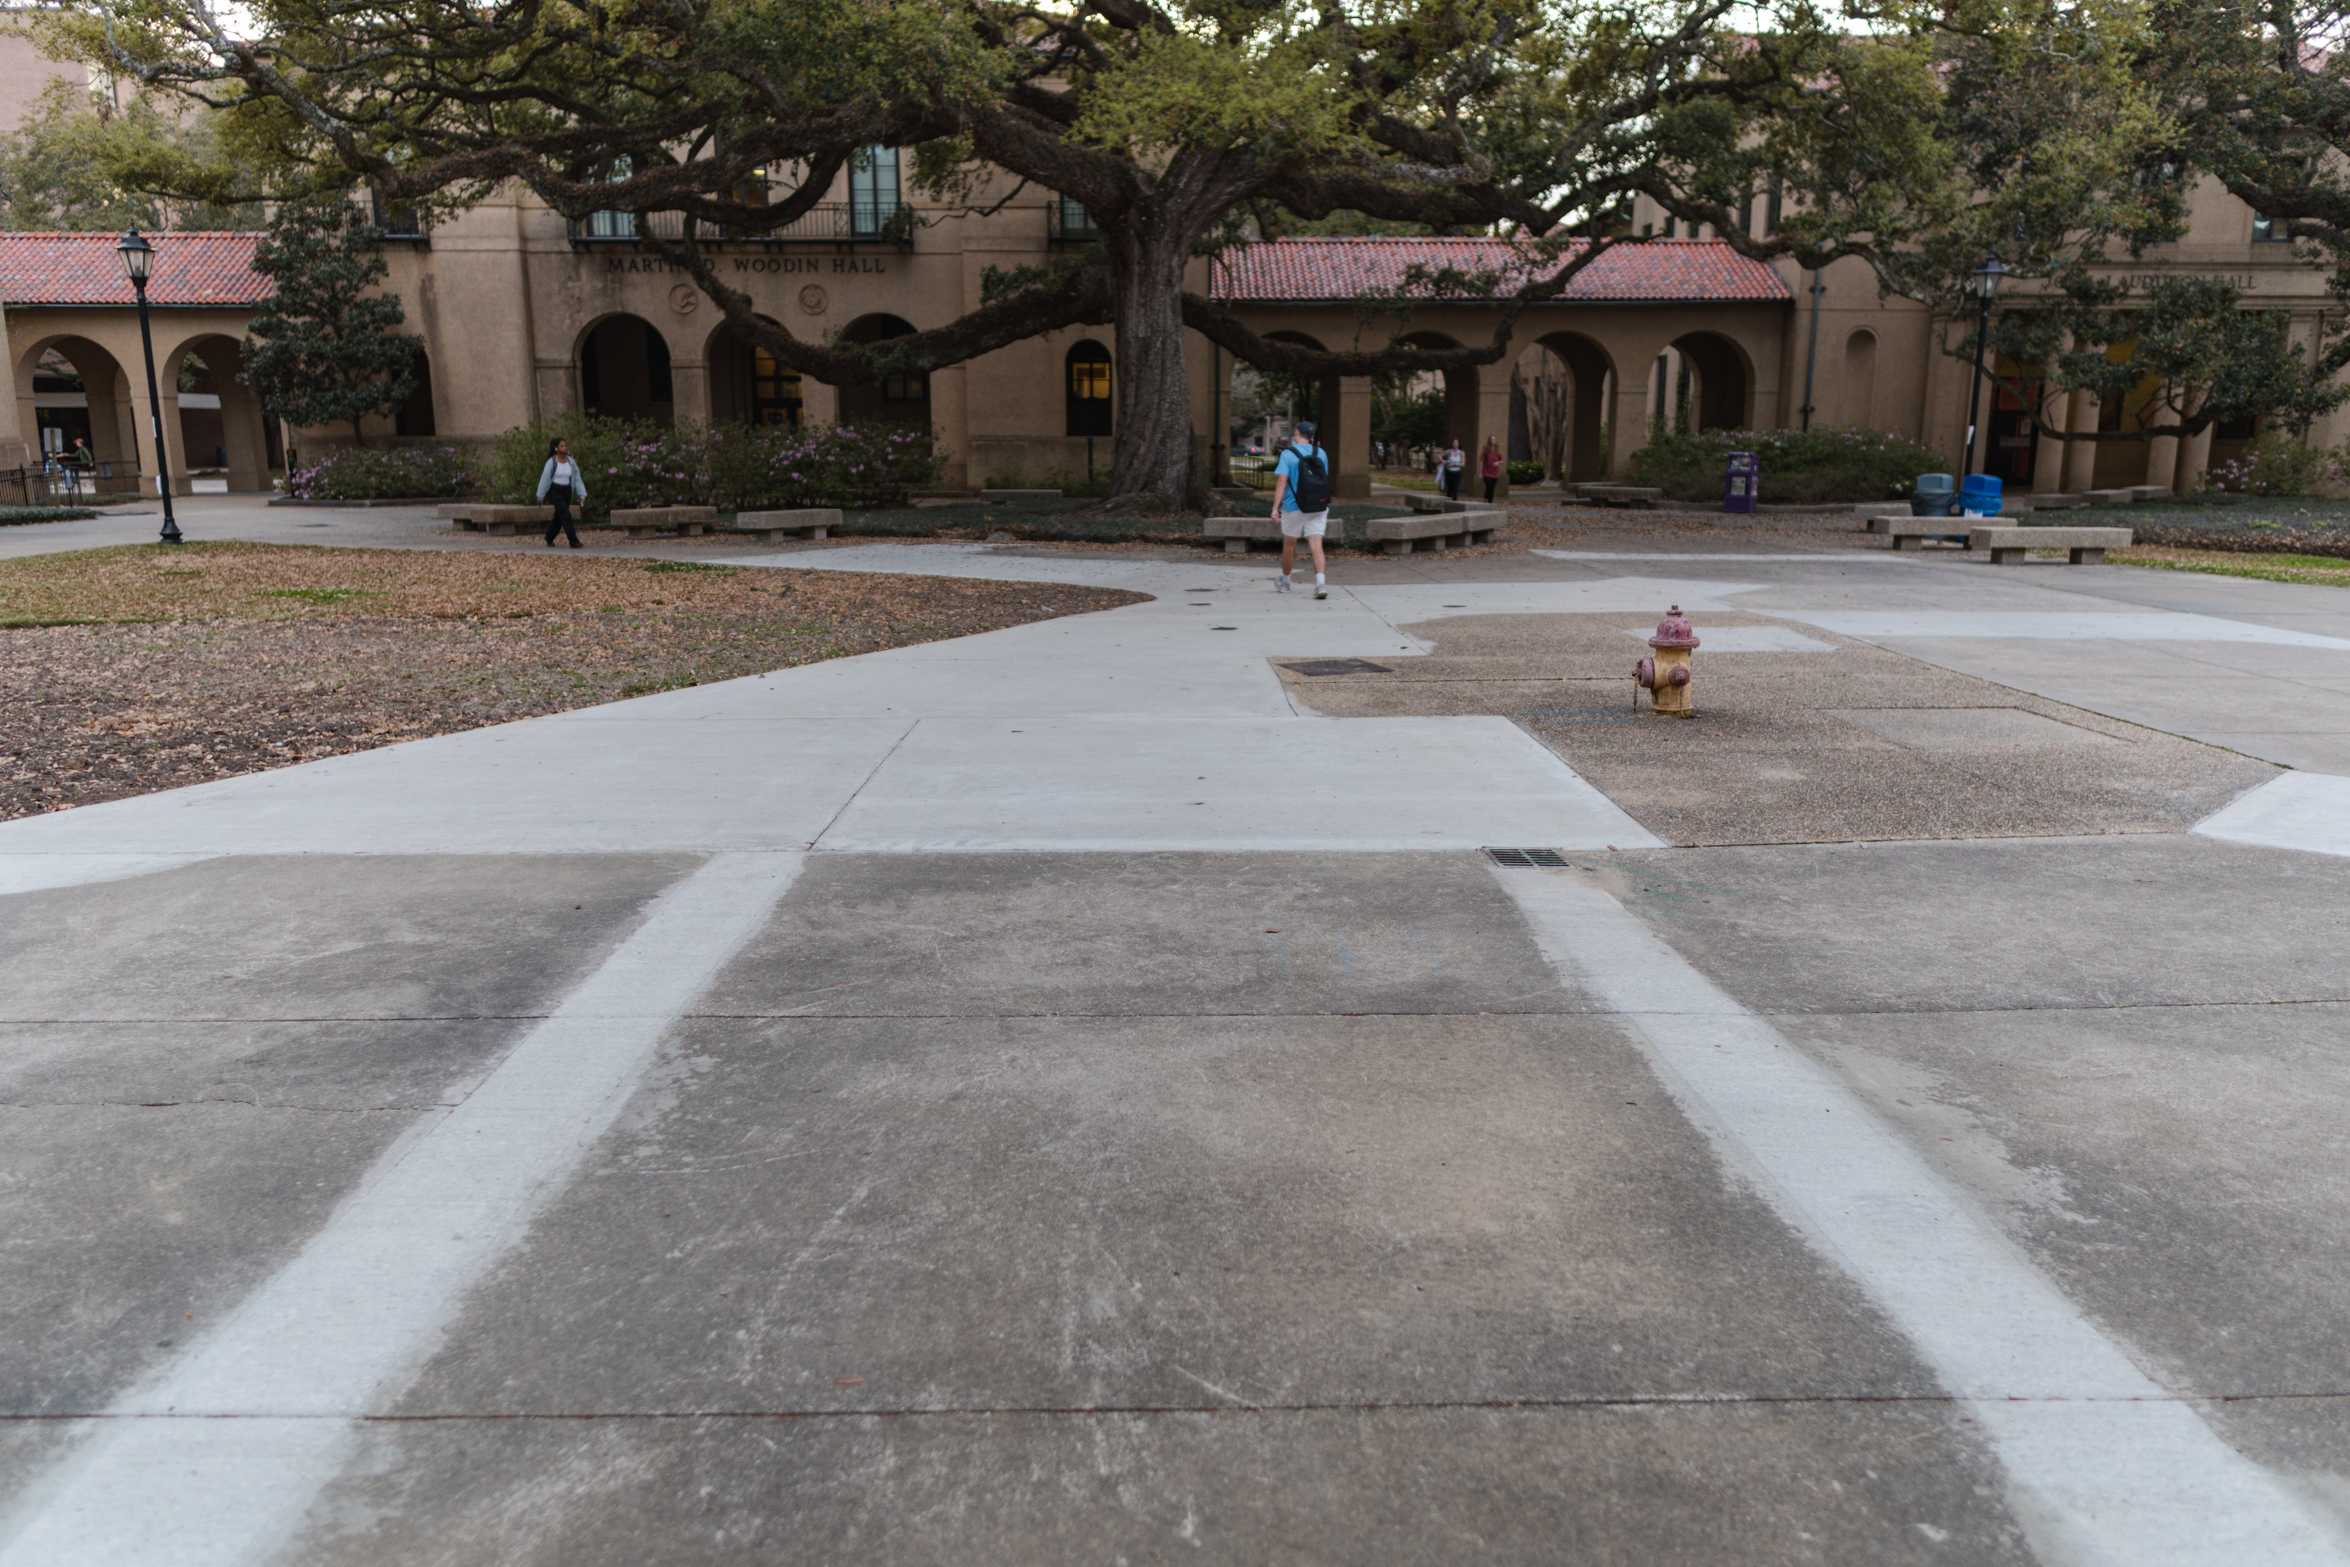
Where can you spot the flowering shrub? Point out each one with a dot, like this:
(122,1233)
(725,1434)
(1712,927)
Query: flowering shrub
(631,463)
(624,462)
(1525,473)
(850,466)
(2276,464)
(379,473)
(1797,465)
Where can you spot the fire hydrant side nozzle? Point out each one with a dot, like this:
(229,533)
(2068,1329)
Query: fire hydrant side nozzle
(1665,674)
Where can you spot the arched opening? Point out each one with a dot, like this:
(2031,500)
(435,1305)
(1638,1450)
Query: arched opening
(1560,396)
(901,397)
(1463,407)
(223,434)
(414,416)
(624,371)
(748,385)
(69,388)
(1708,385)
(1085,384)
(1856,396)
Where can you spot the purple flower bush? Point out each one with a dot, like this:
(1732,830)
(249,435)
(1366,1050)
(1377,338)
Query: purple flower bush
(381,473)
(2277,464)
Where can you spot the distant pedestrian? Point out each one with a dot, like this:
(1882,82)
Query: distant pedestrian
(561,475)
(80,463)
(1449,469)
(1301,505)
(1489,467)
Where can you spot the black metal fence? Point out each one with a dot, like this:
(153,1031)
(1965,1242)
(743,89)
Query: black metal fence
(62,484)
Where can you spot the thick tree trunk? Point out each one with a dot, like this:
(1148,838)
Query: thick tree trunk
(1151,465)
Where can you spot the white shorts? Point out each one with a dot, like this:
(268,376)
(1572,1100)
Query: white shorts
(1304,524)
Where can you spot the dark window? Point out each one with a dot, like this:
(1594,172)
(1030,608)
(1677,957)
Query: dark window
(1088,389)
(397,220)
(2240,429)
(1746,213)
(775,391)
(2268,231)
(1773,206)
(1672,225)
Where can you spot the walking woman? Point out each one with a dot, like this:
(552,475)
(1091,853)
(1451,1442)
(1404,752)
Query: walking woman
(1489,467)
(1448,470)
(561,475)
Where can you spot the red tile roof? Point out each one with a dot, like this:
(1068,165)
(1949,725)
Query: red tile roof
(1664,271)
(191,269)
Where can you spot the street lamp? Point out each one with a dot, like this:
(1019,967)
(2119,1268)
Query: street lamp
(1985,284)
(137,256)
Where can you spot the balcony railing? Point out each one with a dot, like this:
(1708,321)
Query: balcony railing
(826,223)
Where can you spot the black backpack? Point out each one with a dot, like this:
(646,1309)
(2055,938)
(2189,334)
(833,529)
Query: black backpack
(1311,488)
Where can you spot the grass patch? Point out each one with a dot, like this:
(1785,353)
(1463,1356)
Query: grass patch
(309,595)
(686,565)
(2329,571)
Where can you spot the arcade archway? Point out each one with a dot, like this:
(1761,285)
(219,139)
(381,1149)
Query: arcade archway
(901,397)
(747,384)
(624,370)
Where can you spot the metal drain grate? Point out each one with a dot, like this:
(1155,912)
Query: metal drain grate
(1527,859)
(1338,666)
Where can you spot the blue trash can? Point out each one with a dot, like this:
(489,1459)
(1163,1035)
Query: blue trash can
(1933,495)
(1979,495)
(1741,481)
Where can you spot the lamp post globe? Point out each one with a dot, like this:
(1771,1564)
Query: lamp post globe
(1984,285)
(138,259)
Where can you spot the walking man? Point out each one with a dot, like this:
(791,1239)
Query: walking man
(1301,504)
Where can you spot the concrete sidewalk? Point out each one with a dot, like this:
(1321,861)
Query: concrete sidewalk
(1045,1097)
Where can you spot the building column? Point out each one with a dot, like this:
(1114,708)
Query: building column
(1630,420)
(2048,452)
(2162,461)
(950,417)
(244,431)
(819,401)
(2194,461)
(1493,418)
(1349,442)
(145,417)
(689,392)
(558,388)
(2080,457)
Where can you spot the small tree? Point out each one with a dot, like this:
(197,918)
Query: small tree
(324,348)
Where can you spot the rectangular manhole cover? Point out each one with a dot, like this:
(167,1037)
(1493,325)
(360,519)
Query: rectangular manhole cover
(1527,859)
(1338,666)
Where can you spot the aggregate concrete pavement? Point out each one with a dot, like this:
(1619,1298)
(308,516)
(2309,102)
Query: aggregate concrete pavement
(1052,1097)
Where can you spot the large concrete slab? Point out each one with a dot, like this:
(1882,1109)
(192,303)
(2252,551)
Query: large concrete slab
(2309,812)
(1162,934)
(878,1214)
(1991,926)
(1766,1485)
(1221,784)
(567,784)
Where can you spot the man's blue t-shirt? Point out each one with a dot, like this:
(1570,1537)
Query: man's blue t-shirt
(1286,468)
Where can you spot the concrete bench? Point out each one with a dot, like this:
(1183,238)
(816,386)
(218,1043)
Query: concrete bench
(645,522)
(2086,546)
(2150,492)
(478,517)
(2108,497)
(1436,504)
(1402,535)
(1236,534)
(1620,494)
(806,522)
(1903,530)
(2057,502)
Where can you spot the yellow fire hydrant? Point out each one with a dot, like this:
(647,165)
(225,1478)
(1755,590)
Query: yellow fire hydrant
(1665,673)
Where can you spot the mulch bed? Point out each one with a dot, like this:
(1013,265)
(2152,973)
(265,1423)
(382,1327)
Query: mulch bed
(140,668)
(2291,526)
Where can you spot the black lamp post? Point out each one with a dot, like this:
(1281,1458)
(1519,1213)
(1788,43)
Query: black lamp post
(137,256)
(1986,284)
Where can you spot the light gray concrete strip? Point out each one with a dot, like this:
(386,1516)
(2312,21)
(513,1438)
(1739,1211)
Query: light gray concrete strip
(2081,625)
(2105,1465)
(1223,784)
(348,1321)
(2306,811)
(40,872)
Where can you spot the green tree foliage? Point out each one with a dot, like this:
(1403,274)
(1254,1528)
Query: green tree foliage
(78,162)
(1176,123)
(326,348)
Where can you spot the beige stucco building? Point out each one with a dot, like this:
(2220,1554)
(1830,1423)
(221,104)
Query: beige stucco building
(522,315)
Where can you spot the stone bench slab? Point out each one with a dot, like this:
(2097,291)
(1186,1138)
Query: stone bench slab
(644,522)
(2085,546)
(2109,497)
(1903,530)
(807,522)
(479,517)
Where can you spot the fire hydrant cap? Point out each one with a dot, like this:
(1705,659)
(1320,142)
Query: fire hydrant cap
(1673,630)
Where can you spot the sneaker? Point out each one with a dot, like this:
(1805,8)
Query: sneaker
(1321,592)
(1282,585)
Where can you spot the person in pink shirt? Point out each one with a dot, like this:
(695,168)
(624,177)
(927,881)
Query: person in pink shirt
(1489,465)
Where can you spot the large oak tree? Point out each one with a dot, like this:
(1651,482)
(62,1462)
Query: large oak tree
(1178,124)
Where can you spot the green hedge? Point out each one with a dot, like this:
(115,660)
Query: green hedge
(9,514)
(1525,473)
(1797,465)
(630,463)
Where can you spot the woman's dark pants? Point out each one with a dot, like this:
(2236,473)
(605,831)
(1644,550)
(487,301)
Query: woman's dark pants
(562,523)
(1489,484)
